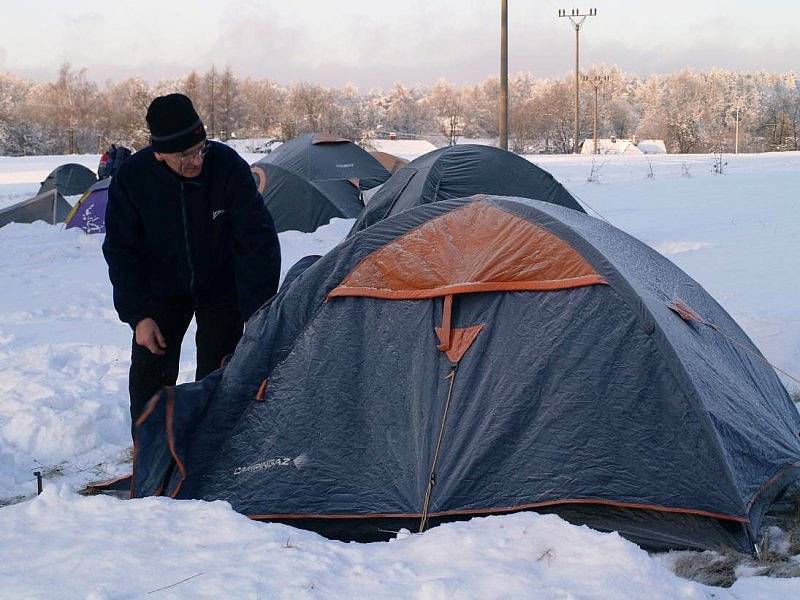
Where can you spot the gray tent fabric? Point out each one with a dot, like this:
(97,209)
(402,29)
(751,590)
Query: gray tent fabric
(460,171)
(320,157)
(49,207)
(70,179)
(630,402)
(297,204)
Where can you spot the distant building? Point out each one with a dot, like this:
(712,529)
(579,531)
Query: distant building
(479,141)
(610,146)
(253,145)
(614,145)
(652,146)
(407,149)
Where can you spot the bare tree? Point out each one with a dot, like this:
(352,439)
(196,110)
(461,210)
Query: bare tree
(193,87)
(210,94)
(228,103)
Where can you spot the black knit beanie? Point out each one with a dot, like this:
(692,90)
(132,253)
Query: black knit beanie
(174,124)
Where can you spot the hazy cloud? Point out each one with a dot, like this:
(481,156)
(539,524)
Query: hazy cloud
(372,43)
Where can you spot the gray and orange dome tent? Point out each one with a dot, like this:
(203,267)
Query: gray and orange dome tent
(297,204)
(324,157)
(482,356)
(315,177)
(459,171)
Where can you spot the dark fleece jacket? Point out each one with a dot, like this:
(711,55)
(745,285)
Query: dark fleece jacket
(209,238)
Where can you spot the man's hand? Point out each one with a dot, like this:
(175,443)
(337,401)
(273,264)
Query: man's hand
(149,335)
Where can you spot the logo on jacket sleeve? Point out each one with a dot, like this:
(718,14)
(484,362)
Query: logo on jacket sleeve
(217,213)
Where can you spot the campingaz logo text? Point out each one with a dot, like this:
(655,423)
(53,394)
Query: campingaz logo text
(270,463)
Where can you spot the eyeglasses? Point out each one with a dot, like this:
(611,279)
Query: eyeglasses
(195,154)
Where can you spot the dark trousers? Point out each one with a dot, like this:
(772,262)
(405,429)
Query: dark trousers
(218,331)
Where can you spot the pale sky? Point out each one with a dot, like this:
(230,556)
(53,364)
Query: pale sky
(377,42)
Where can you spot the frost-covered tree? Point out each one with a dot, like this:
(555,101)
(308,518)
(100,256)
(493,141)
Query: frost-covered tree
(447,103)
(406,112)
(693,111)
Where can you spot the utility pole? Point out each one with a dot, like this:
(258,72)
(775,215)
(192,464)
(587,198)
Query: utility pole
(596,82)
(577,18)
(736,143)
(503,127)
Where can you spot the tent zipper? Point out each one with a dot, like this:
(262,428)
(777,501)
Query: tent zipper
(432,477)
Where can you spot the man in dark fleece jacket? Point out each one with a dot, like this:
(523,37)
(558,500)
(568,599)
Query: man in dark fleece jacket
(187,234)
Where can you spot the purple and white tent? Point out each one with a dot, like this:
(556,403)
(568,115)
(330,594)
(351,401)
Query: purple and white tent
(90,212)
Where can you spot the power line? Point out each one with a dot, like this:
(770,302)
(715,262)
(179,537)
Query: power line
(577,19)
(596,82)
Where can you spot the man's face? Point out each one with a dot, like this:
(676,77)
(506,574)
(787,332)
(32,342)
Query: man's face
(188,163)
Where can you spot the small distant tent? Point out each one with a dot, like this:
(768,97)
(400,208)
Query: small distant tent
(459,171)
(297,204)
(482,356)
(49,206)
(90,212)
(321,157)
(70,179)
(390,162)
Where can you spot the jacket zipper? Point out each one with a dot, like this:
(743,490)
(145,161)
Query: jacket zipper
(185,219)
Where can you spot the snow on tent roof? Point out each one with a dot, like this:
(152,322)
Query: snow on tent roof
(70,179)
(90,211)
(459,171)
(322,157)
(296,204)
(630,403)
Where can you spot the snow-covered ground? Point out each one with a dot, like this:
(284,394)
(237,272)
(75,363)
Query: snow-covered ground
(65,546)
(64,412)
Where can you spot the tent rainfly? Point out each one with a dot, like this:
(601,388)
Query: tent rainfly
(297,204)
(459,171)
(321,157)
(70,179)
(48,206)
(481,356)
